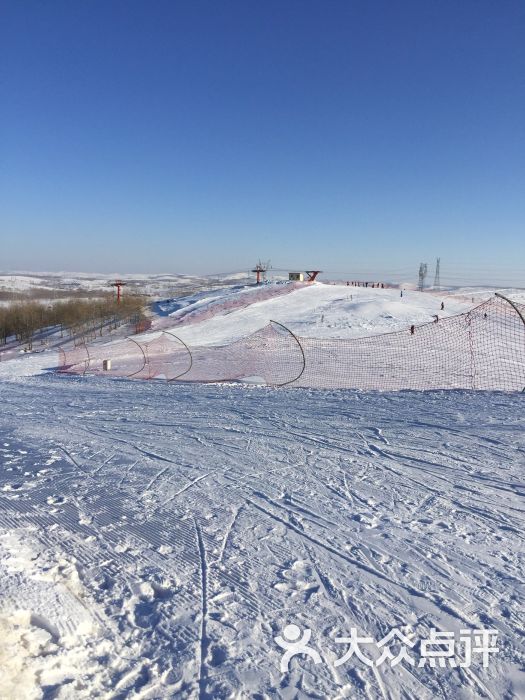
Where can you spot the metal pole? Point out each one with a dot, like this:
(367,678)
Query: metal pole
(509,301)
(300,348)
(189,353)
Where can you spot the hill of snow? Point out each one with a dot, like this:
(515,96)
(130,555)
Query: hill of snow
(319,310)
(157,540)
(316,310)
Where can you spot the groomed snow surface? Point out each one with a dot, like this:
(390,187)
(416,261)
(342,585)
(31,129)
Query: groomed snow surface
(156,538)
(310,310)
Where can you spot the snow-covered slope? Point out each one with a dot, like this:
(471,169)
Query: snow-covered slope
(156,540)
(314,310)
(221,316)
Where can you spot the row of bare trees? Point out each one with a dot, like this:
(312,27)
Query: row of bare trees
(42,293)
(81,319)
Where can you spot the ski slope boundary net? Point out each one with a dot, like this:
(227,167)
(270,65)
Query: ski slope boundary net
(483,348)
(196,313)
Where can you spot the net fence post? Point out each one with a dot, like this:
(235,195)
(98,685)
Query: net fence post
(62,359)
(143,355)
(300,348)
(509,301)
(88,361)
(516,309)
(189,353)
(471,349)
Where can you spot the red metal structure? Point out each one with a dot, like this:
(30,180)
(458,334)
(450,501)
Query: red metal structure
(312,274)
(118,284)
(261,269)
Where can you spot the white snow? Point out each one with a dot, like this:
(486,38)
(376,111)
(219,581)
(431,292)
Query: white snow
(180,528)
(152,284)
(155,538)
(53,635)
(314,310)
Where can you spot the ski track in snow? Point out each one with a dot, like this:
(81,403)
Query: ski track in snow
(195,522)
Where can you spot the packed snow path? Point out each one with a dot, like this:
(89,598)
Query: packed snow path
(159,537)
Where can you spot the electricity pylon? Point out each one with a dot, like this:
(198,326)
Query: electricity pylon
(437,281)
(423,269)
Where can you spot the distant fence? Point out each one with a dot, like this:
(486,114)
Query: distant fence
(483,348)
(195,313)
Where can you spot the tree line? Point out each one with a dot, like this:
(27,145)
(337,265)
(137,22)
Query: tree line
(81,319)
(52,295)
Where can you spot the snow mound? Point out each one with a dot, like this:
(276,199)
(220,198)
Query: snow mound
(55,641)
(315,310)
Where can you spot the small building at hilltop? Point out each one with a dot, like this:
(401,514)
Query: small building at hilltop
(296,276)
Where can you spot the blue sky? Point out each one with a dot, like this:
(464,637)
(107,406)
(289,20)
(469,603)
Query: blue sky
(199,136)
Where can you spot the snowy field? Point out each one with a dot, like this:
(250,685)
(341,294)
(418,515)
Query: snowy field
(317,311)
(314,310)
(94,283)
(156,539)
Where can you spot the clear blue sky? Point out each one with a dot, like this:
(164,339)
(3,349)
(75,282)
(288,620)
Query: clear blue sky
(198,136)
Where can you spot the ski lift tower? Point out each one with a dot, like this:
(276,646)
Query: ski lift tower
(312,274)
(260,270)
(118,284)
